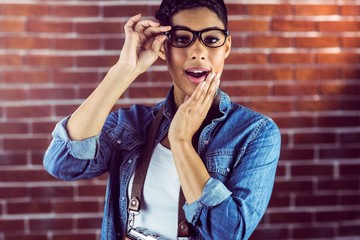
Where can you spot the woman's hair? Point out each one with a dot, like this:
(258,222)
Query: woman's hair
(169,8)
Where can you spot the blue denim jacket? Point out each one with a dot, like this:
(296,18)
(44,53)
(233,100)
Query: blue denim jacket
(240,149)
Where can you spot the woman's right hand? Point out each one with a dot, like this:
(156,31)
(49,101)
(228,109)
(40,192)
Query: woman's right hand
(143,41)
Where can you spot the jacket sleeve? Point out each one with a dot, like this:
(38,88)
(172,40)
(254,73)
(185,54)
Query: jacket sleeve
(71,160)
(234,208)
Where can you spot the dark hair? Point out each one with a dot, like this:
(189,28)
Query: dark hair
(169,8)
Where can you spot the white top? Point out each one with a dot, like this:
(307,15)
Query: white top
(159,208)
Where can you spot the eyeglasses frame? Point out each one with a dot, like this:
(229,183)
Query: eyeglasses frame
(197,34)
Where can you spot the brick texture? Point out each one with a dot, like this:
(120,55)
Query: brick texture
(296,61)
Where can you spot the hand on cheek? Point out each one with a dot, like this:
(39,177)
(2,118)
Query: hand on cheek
(193,111)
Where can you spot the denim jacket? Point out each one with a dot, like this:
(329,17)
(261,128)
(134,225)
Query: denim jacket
(240,150)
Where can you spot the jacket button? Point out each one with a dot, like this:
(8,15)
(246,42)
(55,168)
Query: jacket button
(118,141)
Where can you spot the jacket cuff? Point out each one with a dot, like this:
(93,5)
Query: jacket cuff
(214,193)
(84,150)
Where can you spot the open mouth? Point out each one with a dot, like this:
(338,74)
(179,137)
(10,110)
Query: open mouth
(196,75)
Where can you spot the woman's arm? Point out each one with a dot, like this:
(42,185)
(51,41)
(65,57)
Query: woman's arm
(140,50)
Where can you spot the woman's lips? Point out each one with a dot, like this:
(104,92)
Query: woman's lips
(196,75)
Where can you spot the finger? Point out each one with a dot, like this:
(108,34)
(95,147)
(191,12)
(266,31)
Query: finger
(157,43)
(150,31)
(129,26)
(214,84)
(144,24)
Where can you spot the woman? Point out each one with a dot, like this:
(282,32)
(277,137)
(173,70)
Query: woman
(223,155)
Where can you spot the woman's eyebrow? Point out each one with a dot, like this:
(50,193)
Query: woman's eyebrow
(187,28)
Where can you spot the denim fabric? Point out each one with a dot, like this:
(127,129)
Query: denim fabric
(240,150)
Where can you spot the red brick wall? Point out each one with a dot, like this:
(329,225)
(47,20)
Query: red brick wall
(297,61)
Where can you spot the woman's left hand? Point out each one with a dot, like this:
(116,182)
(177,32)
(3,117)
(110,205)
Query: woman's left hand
(193,110)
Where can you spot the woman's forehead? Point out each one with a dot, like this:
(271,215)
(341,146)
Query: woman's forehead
(197,19)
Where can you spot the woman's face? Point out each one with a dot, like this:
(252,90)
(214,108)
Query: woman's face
(190,65)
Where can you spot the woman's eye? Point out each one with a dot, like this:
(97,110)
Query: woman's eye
(182,39)
(211,40)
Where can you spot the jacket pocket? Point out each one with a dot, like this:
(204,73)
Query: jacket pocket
(124,137)
(220,164)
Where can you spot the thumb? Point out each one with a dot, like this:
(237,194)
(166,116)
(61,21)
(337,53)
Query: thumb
(157,43)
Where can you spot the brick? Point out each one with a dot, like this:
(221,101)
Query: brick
(292,25)
(10,60)
(269,234)
(65,110)
(73,76)
(11,225)
(89,223)
(13,192)
(93,190)
(42,127)
(23,176)
(339,153)
(351,137)
(327,232)
(50,93)
(49,26)
(26,42)
(339,26)
(34,207)
(249,25)
(272,106)
(349,170)
(314,138)
(316,73)
(297,154)
(339,89)
(13,25)
(350,42)
(337,185)
(296,122)
(350,10)
(305,186)
(13,94)
(291,58)
(13,127)
(318,105)
(290,217)
(294,90)
(279,201)
(236,8)
(113,43)
(316,10)
(51,192)
(74,236)
(247,58)
(316,200)
(12,159)
(75,11)
(233,75)
(240,91)
(269,42)
(49,61)
(336,216)
(125,10)
(352,230)
(76,206)
(350,199)
(96,61)
(51,224)
(336,58)
(28,112)
(338,121)
(28,76)
(148,92)
(25,9)
(319,170)
(317,42)
(269,9)
(271,74)
(26,236)
(105,27)
(76,43)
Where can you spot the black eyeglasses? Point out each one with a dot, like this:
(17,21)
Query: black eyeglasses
(183,37)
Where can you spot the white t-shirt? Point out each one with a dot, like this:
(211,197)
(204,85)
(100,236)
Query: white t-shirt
(159,208)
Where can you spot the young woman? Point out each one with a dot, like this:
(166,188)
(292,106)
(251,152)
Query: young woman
(221,154)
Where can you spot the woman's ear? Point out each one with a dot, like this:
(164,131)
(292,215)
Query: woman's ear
(162,54)
(227,46)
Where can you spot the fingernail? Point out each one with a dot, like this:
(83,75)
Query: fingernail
(202,84)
